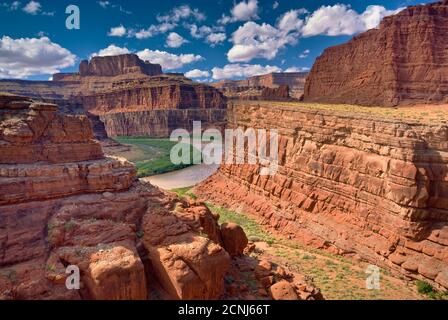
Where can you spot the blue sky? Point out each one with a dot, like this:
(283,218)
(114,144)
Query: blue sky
(211,40)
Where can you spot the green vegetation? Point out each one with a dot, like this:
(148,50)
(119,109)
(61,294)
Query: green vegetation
(428,290)
(250,226)
(185,192)
(152,156)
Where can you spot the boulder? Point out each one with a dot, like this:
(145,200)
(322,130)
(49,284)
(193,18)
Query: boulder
(234,238)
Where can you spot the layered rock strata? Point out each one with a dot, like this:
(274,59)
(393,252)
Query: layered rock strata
(122,84)
(63,204)
(356,184)
(403,61)
(252,87)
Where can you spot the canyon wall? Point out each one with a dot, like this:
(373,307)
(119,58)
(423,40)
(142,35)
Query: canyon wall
(123,84)
(356,184)
(64,204)
(404,61)
(251,88)
(160,123)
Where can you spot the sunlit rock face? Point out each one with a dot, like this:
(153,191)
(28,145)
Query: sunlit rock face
(403,61)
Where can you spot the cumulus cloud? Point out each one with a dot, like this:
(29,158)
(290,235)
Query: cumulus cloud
(175,40)
(340,19)
(180,13)
(196,73)
(168,61)
(215,38)
(111,50)
(253,40)
(152,31)
(24,57)
(242,71)
(32,7)
(304,54)
(242,11)
(119,31)
(212,35)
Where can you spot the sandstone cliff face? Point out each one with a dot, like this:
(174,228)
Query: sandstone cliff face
(113,66)
(160,123)
(120,84)
(62,203)
(252,86)
(360,185)
(404,61)
(154,95)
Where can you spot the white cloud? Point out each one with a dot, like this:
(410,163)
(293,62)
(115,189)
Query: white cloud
(340,19)
(253,40)
(196,73)
(243,11)
(111,50)
(104,4)
(304,54)
(215,38)
(242,71)
(275,5)
(152,31)
(297,69)
(167,60)
(175,40)
(24,57)
(119,31)
(180,13)
(32,7)
(212,35)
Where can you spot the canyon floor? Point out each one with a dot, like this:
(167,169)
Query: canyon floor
(339,278)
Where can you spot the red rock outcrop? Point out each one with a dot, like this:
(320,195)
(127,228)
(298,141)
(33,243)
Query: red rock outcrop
(252,86)
(125,84)
(62,203)
(356,184)
(403,61)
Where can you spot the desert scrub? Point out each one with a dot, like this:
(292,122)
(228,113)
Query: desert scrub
(428,290)
(151,156)
(184,192)
(250,226)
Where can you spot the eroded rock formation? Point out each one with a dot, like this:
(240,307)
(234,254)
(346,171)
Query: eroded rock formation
(257,87)
(124,84)
(403,61)
(355,184)
(63,203)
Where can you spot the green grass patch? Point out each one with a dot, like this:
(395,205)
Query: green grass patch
(151,156)
(250,226)
(428,290)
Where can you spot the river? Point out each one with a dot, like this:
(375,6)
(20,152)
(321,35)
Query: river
(182,178)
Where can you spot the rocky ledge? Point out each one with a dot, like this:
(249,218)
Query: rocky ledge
(64,205)
(358,185)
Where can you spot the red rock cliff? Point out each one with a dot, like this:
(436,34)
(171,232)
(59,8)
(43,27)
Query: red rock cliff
(404,61)
(359,184)
(63,203)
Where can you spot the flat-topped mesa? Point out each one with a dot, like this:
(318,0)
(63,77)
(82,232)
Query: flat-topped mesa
(404,61)
(112,66)
(252,88)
